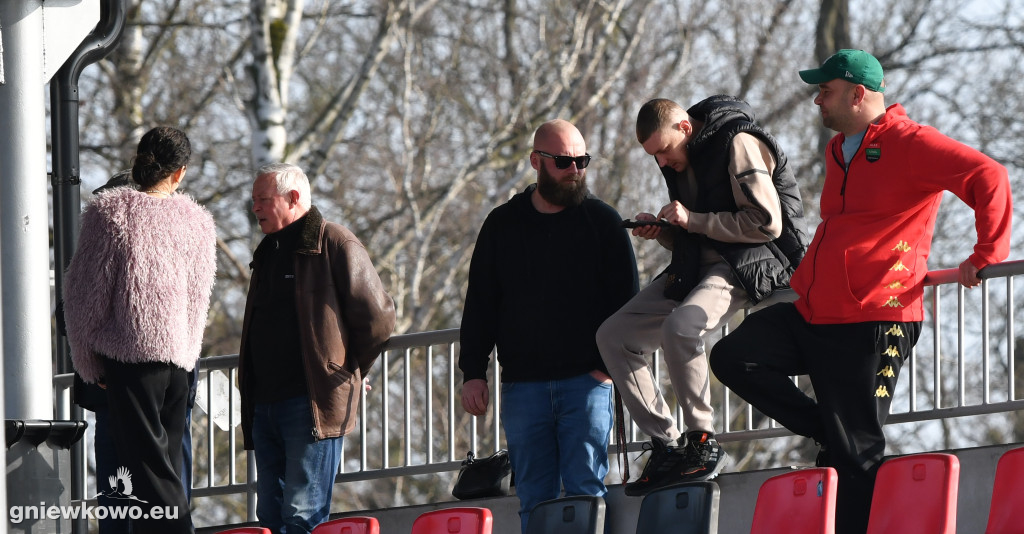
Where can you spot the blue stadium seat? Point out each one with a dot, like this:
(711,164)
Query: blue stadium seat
(687,508)
(580,514)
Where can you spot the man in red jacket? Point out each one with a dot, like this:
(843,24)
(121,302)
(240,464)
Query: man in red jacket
(859,308)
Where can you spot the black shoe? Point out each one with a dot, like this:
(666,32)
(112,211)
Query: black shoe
(664,468)
(704,458)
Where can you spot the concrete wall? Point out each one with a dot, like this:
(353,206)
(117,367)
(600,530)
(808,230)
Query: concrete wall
(736,507)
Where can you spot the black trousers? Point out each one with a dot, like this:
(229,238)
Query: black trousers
(146,403)
(852,369)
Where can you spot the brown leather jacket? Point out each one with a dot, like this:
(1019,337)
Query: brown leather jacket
(345,318)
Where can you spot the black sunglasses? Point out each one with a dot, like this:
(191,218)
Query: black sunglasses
(563,162)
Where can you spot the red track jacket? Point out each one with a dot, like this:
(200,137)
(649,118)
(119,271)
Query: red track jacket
(869,255)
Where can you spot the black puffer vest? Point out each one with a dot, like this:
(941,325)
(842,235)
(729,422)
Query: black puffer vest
(760,268)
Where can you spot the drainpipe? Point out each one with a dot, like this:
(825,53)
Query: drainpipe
(65,181)
(65,178)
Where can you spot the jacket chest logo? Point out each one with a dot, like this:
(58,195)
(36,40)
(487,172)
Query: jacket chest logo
(873,152)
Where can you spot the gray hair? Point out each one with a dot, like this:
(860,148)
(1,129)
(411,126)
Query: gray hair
(288,178)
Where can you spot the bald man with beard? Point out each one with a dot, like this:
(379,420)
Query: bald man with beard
(549,267)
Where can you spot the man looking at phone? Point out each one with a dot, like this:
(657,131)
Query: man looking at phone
(736,233)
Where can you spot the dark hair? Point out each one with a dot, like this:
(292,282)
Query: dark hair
(161,151)
(654,115)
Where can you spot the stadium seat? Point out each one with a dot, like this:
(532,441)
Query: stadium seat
(246,530)
(687,508)
(798,502)
(458,520)
(929,481)
(1004,515)
(580,514)
(349,525)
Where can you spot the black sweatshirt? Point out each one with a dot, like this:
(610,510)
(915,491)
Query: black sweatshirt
(539,287)
(276,353)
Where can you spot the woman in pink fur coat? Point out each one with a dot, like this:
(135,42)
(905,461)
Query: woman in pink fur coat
(136,296)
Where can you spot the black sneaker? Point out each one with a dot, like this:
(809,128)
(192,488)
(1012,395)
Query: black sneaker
(664,468)
(704,458)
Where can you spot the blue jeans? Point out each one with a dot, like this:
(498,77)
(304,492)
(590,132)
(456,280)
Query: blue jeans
(294,473)
(557,434)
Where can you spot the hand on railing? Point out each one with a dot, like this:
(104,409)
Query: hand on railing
(969,274)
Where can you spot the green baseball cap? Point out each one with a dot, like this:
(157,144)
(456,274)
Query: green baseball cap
(854,66)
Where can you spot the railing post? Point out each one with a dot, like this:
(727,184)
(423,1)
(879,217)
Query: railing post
(250,486)
(1011,341)
(986,395)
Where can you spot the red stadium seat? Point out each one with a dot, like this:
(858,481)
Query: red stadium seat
(798,502)
(349,525)
(930,480)
(459,520)
(1004,515)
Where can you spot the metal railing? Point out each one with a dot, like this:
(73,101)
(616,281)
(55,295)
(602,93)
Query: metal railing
(411,421)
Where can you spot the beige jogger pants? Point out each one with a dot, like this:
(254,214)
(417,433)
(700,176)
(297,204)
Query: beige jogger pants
(649,321)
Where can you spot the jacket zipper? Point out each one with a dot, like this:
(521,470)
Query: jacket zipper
(842,194)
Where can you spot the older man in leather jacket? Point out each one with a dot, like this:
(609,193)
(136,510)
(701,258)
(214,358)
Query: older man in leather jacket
(316,318)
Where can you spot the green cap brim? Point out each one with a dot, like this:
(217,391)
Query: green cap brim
(815,76)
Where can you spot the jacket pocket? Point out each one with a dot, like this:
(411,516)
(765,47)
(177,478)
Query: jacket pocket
(338,375)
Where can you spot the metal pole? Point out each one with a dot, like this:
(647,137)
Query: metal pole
(24,221)
(22,157)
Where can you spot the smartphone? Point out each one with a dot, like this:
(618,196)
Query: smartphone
(628,223)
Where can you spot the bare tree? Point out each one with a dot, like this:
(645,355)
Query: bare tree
(414,118)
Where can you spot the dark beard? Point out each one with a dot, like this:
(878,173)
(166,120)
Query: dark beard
(565,194)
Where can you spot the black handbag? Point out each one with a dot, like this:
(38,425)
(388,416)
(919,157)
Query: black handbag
(483,477)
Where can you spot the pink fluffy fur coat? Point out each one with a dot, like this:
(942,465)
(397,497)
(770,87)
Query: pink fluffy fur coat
(138,287)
